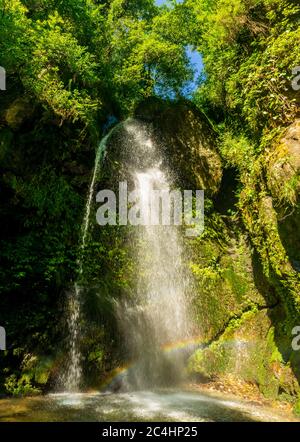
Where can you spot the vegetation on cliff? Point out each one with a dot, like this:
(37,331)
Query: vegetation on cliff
(250,49)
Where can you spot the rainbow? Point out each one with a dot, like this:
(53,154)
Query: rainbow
(183,344)
(118,374)
(115,375)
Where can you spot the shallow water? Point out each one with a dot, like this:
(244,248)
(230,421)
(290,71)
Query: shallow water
(142,406)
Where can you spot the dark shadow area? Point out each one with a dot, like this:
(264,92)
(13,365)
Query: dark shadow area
(226,198)
(289,231)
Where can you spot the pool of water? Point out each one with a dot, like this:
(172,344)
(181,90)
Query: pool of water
(143,406)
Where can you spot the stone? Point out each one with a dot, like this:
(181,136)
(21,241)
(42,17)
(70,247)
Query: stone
(188,141)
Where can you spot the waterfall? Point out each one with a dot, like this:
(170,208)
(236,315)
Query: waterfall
(71,378)
(159,314)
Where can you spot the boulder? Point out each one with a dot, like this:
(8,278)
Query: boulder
(188,142)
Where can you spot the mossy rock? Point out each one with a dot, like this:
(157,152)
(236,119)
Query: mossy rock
(283,166)
(188,141)
(228,279)
(183,136)
(248,350)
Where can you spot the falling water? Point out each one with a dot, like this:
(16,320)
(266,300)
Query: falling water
(71,379)
(159,314)
(72,376)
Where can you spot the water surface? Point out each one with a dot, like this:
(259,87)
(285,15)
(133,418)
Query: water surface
(142,406)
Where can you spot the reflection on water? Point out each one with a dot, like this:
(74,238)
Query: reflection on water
(164,406)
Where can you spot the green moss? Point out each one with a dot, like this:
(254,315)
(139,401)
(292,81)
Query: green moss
(221,263)
(237,282)
(296,408)
(42,371)
(247,349)
(276,356)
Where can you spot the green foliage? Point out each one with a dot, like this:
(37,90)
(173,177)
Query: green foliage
(20,387)
(236,150)
(249,50)
(297,408)
(81,58)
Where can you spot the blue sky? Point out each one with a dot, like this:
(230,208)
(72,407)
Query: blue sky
(197,63)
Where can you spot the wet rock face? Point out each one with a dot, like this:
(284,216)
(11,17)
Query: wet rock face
(188,141)
(284,166)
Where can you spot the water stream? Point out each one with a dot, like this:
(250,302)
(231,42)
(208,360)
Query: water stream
(142,406)
(71,378)
(159,313)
